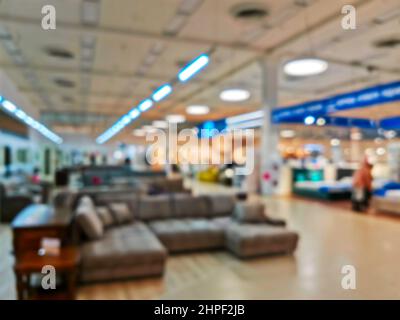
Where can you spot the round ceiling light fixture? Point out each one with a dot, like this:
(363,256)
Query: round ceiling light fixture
(308,121)
(321,122)
(175,118)
(197,110)
(356,135)
(335,142)
(234,95)
(380,151)
(305,67)
(288,134)
(389,134)
(148,129)
(139,133)
(160,124)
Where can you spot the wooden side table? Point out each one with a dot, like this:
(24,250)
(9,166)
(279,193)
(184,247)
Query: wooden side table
(66,266)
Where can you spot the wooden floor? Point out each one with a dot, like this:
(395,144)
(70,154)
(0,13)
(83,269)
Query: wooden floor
(330,237)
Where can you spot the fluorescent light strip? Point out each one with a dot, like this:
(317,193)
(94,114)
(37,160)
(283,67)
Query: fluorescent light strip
(193,68)
(10,107)
(161,93)
(145,105)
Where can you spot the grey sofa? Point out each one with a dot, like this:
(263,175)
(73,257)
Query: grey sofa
(172,223)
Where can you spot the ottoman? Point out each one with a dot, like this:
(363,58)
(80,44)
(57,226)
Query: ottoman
(251,240)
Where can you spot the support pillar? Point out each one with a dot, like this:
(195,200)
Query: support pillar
(270,160)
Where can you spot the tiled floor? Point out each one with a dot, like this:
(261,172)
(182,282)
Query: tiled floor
(330,237)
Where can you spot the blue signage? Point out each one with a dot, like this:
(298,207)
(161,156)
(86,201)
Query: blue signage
(362,98)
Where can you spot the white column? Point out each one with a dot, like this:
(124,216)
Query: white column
(270,160)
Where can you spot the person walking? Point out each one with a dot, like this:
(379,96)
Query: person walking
(362,187)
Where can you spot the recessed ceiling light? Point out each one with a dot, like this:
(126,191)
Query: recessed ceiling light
(287,134)
(356,136)
(139,132)
(335,142)
(249,11)
(389,134)
(175,118)
(149,128)
(59,53)
(197,110)
(321,121)
(62,82)
(308,121)
(380,151)
(234,95)
(160,124)
(305,67)
(387,43)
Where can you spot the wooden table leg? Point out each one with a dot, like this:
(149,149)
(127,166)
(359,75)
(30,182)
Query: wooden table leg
(71,284)
(20,285)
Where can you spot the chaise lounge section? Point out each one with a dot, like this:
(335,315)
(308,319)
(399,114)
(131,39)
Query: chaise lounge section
(123,252)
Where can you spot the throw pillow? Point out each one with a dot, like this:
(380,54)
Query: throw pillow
(121,212)
(89,221)
(249,212)
(105,216)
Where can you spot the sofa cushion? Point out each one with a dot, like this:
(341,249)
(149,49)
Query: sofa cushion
(105,199)
(221,205)
(88,220)
(188,234)
(121,212)
(105,216)
(188,206)
(155,207)
(249,240)
(249,212)
(123,246)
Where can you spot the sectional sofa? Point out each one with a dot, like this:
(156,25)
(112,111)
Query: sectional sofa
(124,235)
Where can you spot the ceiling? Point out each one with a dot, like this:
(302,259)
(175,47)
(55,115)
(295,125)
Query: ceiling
(120,51)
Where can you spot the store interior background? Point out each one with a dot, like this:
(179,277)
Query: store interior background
(103,59)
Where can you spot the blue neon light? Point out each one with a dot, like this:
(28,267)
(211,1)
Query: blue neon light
(193,67)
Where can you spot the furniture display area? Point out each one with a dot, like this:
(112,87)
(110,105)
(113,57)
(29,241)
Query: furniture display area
(18,193)
(11,203)
(326,190)
(132,236)
(114,236)
(311,184)
(105,175)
